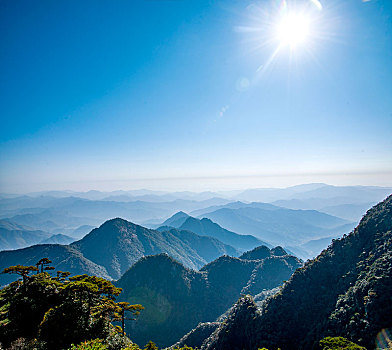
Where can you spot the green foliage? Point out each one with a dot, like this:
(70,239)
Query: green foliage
(132,347)
(338,343)
(95,344)
(25,344)
(21,270)
(150,346)
(125,311)
(42,265)
(61,310)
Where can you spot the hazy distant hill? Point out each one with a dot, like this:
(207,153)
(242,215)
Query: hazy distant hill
(64,258)
(345,291)
(333,206)
(349,194)
(81,231)
(64,214)
(234,205)
(352,212)
(53,220)
(58,239)
(14,236)
(280,226)
(176,299)
(117,244)
(206,227)
(176,220)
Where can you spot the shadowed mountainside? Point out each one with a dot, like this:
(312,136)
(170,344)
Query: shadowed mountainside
(345,291)
(176,299)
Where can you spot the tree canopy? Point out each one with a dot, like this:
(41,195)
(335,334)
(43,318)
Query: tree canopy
(60,310)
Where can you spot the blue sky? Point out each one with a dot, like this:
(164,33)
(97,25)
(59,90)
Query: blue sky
(179,95)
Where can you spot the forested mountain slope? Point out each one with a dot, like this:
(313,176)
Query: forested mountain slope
(345,291)
(176,299)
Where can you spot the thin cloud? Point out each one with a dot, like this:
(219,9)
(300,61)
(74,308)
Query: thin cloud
(223,110)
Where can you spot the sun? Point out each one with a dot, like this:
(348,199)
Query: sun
(293,29)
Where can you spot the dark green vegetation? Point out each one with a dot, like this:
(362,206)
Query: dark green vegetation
(197,335)
(52,312)
(206,227)
(111,249)
(339,343)
(345,291)
(98,344)
(177,299)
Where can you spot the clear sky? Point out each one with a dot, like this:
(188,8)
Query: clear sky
(193,94)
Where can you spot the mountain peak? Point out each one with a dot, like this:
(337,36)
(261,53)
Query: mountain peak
(176,220)
(116,221)
(257,253)
(207,227)
(118,244)
(278,251)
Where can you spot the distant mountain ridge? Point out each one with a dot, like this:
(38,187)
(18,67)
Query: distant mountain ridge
(176,220)
(58,239)
(206,227)
(64,212)
(279,225)
(117,244)
(15,236)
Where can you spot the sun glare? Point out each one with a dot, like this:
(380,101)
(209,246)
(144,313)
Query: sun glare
(293,29)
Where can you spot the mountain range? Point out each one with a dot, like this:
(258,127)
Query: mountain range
(63,212)
(312,190)
(14,236)
(116,245)
(286,226)
(345,291)
(206,227)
